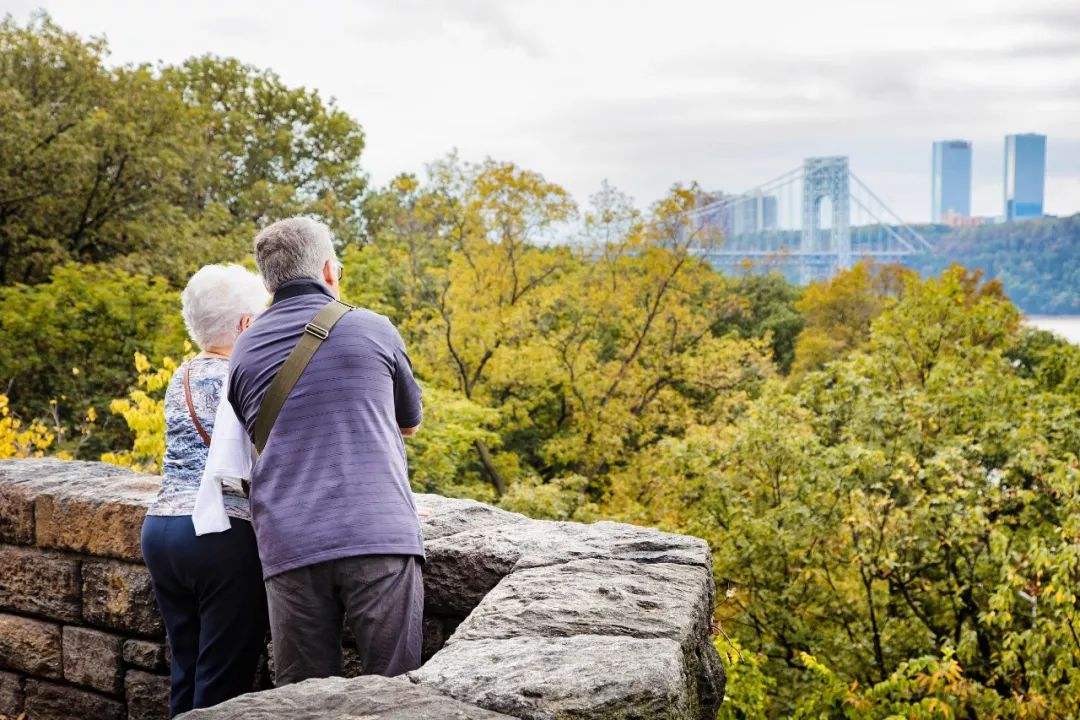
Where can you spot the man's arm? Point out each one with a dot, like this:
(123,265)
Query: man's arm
(408,401)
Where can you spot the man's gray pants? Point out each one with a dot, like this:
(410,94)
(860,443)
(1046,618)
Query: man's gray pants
(381,597)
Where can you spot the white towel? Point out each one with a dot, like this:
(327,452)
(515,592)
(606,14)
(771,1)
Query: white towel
(230,459)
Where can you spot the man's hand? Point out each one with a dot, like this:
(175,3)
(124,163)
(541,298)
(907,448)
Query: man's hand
(409,432)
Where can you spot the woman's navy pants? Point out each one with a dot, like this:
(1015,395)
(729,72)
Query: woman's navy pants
(210,591)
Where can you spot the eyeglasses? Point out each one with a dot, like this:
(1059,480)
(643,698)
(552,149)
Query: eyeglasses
(340,269)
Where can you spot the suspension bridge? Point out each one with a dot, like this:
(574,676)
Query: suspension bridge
(808,223)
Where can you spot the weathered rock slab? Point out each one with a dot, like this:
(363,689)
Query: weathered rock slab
(39,582)
(146,654)
(119,595)
(49,701)
(442,516)
(30,646)
(92,658)
(576,677)
(147,695)
(82,506)
(463,567)
(540,619)
(11,694)
(364,698)
(595,597)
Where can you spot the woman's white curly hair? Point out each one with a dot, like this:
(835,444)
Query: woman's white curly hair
(215,299)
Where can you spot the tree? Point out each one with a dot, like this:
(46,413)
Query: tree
(838,312)
(69,343)
(1037,261)
(474,281)
(91,160)
(158,170)
(897,534)
(276,150)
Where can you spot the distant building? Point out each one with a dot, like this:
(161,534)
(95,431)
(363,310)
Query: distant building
(951,179)
(957,220)
(1025,176)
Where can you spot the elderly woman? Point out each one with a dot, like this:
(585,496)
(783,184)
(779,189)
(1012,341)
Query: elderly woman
(209,588)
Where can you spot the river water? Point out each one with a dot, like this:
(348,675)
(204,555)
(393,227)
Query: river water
(1067,326)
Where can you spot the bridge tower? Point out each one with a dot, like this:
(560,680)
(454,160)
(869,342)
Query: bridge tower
(827,177)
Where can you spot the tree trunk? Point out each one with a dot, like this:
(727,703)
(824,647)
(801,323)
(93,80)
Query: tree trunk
(489,467)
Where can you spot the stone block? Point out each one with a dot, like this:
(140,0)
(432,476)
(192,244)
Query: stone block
(370,697)
(40,582)
(442,516)
(147,696)
(464,566)
(93,510)
(92,658)
(576,677)
(612,541)
(16,514)
(119,596)
(30,646)
(596,597)
(49,701)
(145,654)
(11,695)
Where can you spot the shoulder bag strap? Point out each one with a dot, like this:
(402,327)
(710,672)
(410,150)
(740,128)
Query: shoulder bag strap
(314,333)
(191,406)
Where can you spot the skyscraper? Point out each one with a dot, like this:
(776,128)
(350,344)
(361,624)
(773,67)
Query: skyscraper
(951,191)
(1025,175)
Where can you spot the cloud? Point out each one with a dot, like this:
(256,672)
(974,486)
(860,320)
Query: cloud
(491,18)
(646,94)
(1057,17)
(488,19)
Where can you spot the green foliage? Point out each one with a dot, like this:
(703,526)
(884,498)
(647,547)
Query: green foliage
(1037,261)
(442,457)
(837,313)
(906,516)
(68,345)
(760,306)
(159,170)
(93,162)
(277,151)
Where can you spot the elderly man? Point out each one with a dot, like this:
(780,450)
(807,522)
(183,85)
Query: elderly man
(333,512)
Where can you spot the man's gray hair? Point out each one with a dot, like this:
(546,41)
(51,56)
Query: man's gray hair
(292,249)
(214,301)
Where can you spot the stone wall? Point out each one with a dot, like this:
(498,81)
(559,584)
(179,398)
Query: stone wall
(523,618)
(80,636)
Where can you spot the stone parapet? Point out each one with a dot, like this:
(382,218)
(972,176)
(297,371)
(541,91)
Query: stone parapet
(523,618)
(80,634)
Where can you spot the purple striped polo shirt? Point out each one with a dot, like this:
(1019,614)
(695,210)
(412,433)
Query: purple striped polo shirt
(332,481)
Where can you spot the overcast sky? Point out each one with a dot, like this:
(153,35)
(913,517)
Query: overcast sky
(648,93)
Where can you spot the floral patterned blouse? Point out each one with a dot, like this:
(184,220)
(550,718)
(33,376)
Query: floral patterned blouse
(185,451)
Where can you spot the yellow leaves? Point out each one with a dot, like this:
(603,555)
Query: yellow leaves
(19,441)
(144,413)
(142,363)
